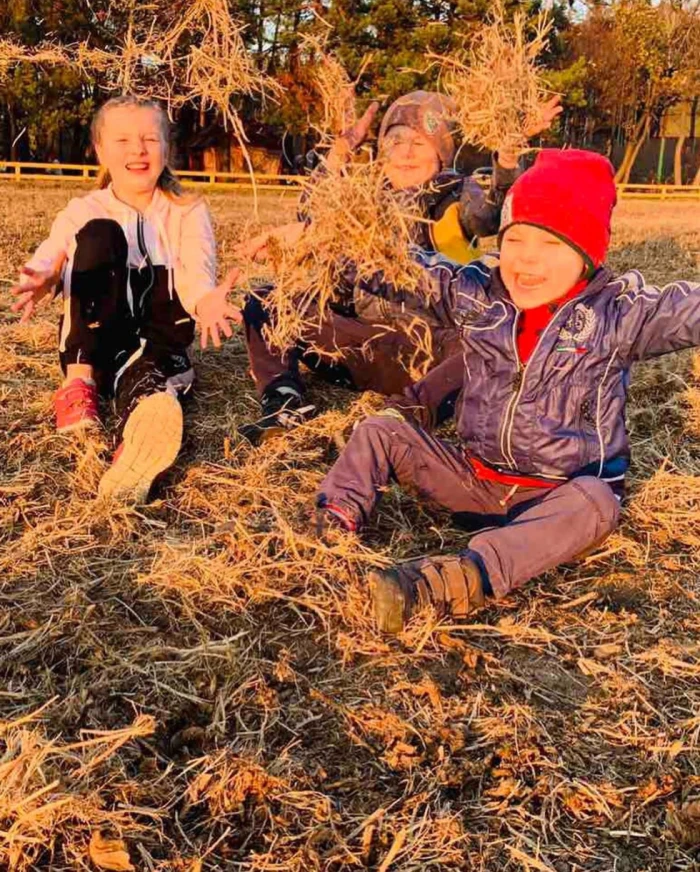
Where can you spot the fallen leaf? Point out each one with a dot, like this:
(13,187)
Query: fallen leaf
(109,854)
(604,652)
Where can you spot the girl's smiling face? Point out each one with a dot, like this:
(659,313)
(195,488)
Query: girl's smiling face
(536,266)
(131,145)
(410,159)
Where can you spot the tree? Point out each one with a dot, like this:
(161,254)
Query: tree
(49,103)
(653,50)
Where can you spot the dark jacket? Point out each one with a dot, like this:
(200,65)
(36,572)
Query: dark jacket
(562,414)
(479,210)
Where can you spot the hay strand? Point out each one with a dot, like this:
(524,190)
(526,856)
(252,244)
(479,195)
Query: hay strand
(496,83)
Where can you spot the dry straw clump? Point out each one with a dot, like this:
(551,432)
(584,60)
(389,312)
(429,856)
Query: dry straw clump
(358,227)
(182,53)
(13,53)
(331,82)
(263,548)
(218,68)
(51,793)
(667,508)
(496,83)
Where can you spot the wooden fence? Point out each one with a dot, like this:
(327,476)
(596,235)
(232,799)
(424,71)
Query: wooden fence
(84,172)
(55,172)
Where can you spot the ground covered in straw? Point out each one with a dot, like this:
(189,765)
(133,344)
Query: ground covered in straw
(197,685)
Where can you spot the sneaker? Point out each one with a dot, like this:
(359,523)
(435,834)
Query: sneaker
(283,409)
(76,406)
(152,441)
(452,585)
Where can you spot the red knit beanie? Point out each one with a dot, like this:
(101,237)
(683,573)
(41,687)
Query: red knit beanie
(571,193)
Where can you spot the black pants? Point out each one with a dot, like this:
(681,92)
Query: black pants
(123,321)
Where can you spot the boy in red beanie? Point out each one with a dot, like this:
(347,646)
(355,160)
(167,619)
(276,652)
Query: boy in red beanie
(548,336)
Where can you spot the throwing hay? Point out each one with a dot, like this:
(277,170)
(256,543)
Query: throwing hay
(496,83)
(357,225)
(334,87)
(180,54)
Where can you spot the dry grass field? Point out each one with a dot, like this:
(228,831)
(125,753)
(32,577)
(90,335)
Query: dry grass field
(197,685)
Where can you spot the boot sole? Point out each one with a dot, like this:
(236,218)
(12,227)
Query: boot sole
(152,441)
(389,601)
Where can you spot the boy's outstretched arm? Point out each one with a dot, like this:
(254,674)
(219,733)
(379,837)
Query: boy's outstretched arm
(444,285)
(652,321)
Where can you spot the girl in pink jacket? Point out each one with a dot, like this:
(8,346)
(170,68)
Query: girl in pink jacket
(137,263)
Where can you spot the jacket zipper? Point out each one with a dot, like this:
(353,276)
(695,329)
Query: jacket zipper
(517,384)
(520,382)
(141,241)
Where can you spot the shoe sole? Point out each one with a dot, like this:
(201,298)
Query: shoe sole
(152,442)
(389,601)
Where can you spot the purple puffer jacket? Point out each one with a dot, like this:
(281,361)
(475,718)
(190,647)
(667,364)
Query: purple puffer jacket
(563,413)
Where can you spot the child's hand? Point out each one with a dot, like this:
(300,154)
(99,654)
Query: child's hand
(257,248)
(356,131)
(546,114)
(33,290)
(354,134)
(214,311)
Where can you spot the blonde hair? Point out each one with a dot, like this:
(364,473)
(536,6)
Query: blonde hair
(167,181)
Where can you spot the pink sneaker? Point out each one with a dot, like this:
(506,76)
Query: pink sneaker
(76,406)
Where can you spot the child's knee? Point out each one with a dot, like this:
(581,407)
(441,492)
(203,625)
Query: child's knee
(387,423)
(599,498)
(99,242)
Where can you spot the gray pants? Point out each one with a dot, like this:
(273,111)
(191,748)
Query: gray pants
(531,529)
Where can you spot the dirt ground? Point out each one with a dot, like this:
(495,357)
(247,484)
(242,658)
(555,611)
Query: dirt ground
(200,680)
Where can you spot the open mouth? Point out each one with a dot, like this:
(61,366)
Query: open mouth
(529,282)
(138,167)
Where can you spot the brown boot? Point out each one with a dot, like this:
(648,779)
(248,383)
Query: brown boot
(452,585)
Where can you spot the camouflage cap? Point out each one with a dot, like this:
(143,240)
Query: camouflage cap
(428,113)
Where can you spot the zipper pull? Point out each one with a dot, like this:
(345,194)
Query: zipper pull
(517,380)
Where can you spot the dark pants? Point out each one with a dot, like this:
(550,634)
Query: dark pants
(530,530)
(358,355)
(124,322)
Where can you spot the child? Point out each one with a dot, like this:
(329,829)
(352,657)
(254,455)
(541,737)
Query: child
(548,337)
(137,260)
(417,146)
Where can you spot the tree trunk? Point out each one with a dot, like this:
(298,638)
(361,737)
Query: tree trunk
(678,162)
(13,132)
(632,150)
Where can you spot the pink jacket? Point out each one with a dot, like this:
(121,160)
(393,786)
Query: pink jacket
(177,236)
